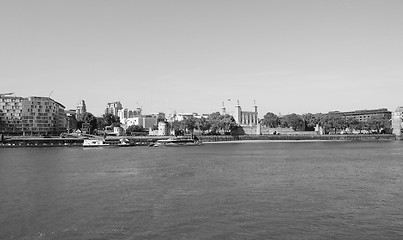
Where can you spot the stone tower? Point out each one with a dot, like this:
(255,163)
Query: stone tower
(397,122)
(255,119)
(81,110)
(238,113)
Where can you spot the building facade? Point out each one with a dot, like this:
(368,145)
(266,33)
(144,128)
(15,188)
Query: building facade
(31,116)
(125,113)
(113,108)
(146,121)
(245,118)
(365,115)
(160,116)
(81,110)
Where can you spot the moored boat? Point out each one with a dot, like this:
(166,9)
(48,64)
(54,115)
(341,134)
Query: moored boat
(179,141)
(107,143)
(94,143)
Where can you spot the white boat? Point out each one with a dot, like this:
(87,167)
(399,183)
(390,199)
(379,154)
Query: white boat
(178,141)
(94,143)
(107,143)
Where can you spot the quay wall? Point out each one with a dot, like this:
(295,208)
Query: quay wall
(71,142)
(146,140)
(43,142)
(344,137)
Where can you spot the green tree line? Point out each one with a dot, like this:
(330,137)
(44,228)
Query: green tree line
(96,123)
(214,124)
(329,122)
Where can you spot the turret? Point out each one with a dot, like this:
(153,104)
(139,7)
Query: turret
(255,122)
(238,113)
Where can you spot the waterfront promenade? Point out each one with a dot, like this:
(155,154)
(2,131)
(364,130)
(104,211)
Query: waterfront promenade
(147,140)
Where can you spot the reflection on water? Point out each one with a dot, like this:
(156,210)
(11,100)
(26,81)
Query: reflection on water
(309,190)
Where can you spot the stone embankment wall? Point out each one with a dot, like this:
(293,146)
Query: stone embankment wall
(42,142)
(352,137)
(145,141)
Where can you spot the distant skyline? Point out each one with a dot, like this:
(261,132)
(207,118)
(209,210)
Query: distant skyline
(190,56)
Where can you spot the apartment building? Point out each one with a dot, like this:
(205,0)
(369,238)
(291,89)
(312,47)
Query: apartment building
(365,115)
(113,108)
(31,116)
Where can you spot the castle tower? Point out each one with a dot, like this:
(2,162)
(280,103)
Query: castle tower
(223,109)
(258,128)
(238,113)
(255,120)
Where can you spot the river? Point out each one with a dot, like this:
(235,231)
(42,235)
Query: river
(260,190)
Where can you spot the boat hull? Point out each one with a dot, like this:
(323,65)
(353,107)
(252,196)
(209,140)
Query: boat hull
(178,142)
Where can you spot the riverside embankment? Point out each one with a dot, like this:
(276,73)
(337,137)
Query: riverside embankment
(70,142)
(338,137)
(147,140)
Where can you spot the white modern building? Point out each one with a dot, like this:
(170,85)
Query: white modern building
(146,121)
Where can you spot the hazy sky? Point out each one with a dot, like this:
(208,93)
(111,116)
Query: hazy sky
(190,56)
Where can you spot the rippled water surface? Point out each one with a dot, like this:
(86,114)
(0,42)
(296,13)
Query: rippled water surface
(301,190)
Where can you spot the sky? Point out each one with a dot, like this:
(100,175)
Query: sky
(193,56)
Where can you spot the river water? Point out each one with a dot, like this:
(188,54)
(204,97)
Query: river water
(269,190)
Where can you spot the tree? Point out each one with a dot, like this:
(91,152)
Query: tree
(353,123)
(101,123)
(177,128)
(284,122)
(311,120)
(203,124)
(110,119)
(294,121)
(214,120)
(2,123)
(271,120)
(189,124)
(333,122)
(91,119)
(378,123)
(135,128)
(327,122)
(227,124)
(362,126)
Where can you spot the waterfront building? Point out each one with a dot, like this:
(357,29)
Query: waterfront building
(163,129)
(160,116)
(145,121)
(365,115)
(113,108)
(246,118)
(31,115)
(182,116)
(125,113)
